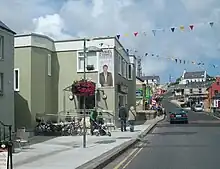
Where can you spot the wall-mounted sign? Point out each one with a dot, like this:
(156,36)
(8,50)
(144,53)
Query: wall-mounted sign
(139,93)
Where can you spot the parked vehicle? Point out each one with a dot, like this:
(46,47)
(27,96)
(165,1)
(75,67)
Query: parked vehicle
(178,115)
(198,108)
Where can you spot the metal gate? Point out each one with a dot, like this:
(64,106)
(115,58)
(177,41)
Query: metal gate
(6,145)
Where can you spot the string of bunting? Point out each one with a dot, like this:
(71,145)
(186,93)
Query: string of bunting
(180,61)
(182,28)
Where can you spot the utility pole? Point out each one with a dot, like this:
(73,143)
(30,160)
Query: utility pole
(84,97)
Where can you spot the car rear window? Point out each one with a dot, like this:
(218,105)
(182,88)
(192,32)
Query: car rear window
(198,106)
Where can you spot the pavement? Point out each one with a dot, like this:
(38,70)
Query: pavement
(67,152)
(171,146)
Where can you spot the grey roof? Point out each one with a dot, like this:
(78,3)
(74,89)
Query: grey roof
(150,77)
(5,27)
(193,75)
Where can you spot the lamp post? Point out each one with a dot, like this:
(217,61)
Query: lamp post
(85,50)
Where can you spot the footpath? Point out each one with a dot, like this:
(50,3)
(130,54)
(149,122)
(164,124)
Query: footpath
(67,152)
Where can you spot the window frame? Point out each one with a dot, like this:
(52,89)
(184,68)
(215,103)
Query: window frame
(123,68)
(17,86)
(120,64)
(1,47)
(1,83)
(86,59)
(49,64)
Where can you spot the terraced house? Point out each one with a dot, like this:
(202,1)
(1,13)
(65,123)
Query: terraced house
(47,69)
(6,74)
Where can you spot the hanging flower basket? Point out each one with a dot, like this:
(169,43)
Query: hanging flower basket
(83,88)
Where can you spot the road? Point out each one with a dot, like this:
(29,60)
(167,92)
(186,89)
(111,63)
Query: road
(176,146)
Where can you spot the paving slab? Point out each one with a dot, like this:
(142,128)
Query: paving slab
(67,151)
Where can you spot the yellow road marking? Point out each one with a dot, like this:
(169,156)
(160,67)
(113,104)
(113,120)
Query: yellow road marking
(120,164)
(132,158)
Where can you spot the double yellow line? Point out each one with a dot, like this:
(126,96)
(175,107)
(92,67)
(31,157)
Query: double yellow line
(128,159)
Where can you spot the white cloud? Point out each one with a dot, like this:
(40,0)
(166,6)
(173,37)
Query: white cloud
(51,25)
(109,17)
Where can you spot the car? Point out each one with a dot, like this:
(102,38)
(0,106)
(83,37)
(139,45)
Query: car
(198,108)
(178,115)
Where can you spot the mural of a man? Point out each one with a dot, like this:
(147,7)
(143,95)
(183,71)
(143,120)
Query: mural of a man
(105,77)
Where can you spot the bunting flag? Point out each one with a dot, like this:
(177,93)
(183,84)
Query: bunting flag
(173,29)
(135,33)
(182,28)
(154,32)
(191,27)
(180,61)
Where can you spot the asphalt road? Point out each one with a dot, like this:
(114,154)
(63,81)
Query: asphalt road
(176,146)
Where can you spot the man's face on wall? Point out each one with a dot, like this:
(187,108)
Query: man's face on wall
(105,69)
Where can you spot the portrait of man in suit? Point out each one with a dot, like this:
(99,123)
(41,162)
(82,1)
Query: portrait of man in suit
(105,77)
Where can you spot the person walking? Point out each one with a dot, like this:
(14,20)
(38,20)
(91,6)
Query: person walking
(131,118)
(123,114)
(93,120)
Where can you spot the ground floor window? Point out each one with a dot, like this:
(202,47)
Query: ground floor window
(89,102)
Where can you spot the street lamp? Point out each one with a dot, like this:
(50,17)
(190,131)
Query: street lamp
(89,67)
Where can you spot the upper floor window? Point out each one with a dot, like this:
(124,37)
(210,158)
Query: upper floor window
(216,92)
(217,83)
(49,60)
(119,64)
(130,71)
(91,59)
(1,83)
(16,80)
(123,67)
(200,90)
(191,90)
(1,47)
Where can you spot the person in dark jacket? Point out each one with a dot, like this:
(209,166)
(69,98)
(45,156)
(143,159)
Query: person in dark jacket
(93,120)
(123,114)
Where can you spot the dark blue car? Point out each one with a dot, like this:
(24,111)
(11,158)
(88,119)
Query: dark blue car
(178,115)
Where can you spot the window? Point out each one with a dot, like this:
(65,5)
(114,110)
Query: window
(200,90)
(91,59)
(130,71)
(1,47)
(49,60)
(191,90)
(120,70)
(16,80)
(216,92)
(123,65)
(217,83)
(1,83)
(125,70)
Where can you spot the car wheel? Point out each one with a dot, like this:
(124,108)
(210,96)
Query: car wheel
(171,122)
(186,122)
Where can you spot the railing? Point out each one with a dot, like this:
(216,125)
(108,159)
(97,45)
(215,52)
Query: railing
(6,142)
(78,114)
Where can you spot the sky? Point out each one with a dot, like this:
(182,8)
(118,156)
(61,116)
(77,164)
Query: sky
(68,19)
